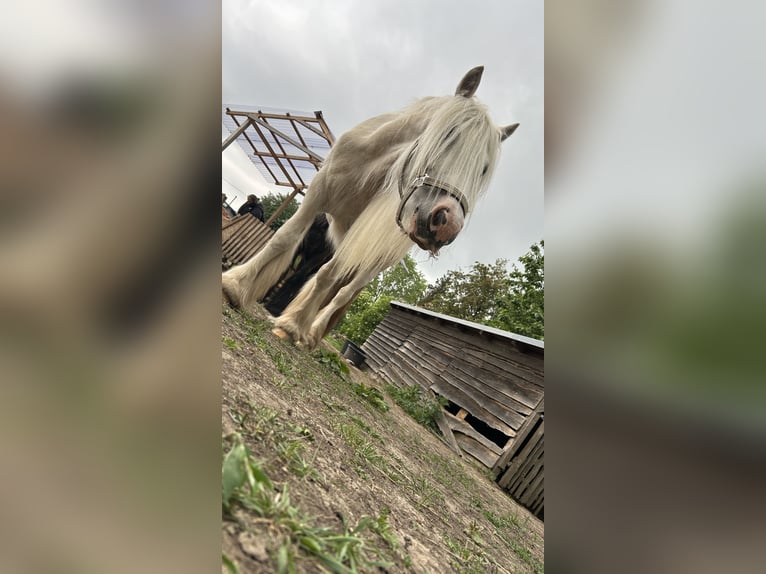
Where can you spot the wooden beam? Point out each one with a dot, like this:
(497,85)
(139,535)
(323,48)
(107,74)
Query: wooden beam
(308,126)
(441,422)
(286,156)
(271,151)
(255,150)
(289,161)
(325,128)
(287,138)
(236,133)
(268,115)
(282,207)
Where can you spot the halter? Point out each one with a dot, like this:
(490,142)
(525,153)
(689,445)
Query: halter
(422,180)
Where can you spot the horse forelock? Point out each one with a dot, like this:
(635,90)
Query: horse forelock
(456,142)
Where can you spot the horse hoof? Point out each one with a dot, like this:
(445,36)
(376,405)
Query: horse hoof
(227,299)
(281,333)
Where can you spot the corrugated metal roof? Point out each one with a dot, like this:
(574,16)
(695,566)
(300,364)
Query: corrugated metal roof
(536,343)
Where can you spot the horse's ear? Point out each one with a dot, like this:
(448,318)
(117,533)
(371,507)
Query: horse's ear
(470,82)
(506,131)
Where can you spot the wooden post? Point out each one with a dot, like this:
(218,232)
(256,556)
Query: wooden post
(282,207)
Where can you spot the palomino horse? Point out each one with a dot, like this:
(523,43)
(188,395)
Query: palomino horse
(398,179)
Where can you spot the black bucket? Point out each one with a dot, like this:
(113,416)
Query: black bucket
(354,354)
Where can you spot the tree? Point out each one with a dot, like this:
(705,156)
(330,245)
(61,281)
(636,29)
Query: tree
(493,296)
(473,295)
(402,282)
(522,310)
(271,203)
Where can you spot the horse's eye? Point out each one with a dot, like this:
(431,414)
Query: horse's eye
(484,171)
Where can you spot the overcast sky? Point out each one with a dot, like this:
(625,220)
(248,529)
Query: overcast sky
(354,59)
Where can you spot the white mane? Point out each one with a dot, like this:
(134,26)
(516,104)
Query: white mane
(458,142)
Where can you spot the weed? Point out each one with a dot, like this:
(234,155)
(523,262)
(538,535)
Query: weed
(366,428)
(238,417)
(365,453)
(282,363)
(245,483)
(332,362)
(504,520)
(426,491)
(231,566)
(293,452)
(231,344)
(468,559)
(383,527)
(416,403)
(372,396)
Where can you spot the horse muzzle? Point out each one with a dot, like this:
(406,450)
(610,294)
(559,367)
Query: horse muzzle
(431,229)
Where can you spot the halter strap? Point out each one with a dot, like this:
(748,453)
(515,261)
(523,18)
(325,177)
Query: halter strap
(425,179)
(420,181)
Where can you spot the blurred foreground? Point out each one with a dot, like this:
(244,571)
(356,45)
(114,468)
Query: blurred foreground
(656,234)
(109,304)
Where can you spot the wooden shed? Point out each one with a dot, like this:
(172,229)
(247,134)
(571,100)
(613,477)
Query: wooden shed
(492,381)
(242,237)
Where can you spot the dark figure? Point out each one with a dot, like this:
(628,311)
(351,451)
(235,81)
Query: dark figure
(315,250)
(252,206)
(226,209)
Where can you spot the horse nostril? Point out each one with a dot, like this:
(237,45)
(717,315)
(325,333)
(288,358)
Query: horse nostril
(439,217)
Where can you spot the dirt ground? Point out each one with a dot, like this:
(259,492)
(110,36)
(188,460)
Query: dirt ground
(356,485)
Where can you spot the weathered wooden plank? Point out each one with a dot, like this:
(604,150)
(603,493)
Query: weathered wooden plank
(460,426)
(527,472)
(503,382)
(476,450)
(527,368)
(444,427)
(501,347)
(426,371)
(375,359)
(528,426)
(439,350)
(384,346)
(499,391)
(483,405)
(532,490)
(467,402)
(538,505)
(521,457)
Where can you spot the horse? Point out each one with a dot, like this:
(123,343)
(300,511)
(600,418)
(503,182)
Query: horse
(400,179)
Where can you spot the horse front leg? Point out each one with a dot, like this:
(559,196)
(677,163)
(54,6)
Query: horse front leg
(331,313)
(248,283)
(296,320)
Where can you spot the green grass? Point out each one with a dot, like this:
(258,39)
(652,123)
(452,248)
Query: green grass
(510,522)
(416,403)
(372,395)
(426,492)
(245,484)
(231,344)
(468,557)
(332,362)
